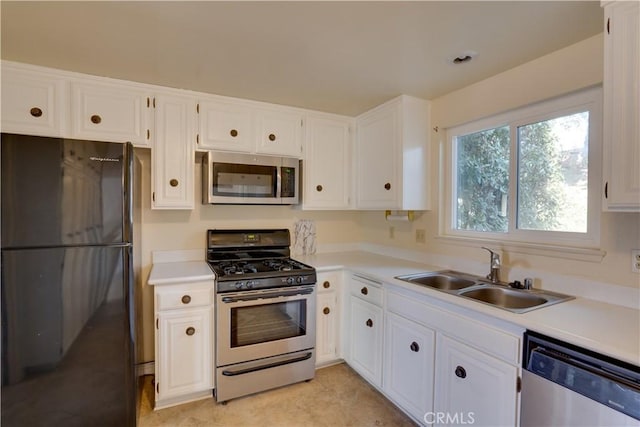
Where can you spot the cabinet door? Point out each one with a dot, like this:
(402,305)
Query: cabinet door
(173,156)
(279,132)
(110,112)
(225,126)
(327,328)
(326,163)
(408,365)
(366,340)
(184,360)
(474,387)
(33,103)
(622,106)
(377,160)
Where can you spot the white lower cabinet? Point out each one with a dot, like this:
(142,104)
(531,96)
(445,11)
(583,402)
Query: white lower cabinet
(472,387)
(409,365)
(328,318)
(365,333)
(184,343)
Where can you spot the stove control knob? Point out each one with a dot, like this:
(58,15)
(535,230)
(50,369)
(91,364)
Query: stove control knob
(299,279)
(250,285)
(290,280)
(239,285)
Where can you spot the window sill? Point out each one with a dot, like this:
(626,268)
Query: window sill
(547,250)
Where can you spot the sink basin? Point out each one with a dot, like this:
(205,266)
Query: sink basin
(445,282)
(478,289)
(503,297)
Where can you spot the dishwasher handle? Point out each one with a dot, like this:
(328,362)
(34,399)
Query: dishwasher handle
(602,386)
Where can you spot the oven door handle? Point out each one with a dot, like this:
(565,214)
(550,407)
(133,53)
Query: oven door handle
(267,295)
(241,371)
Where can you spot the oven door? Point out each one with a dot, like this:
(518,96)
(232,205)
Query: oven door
(255,324)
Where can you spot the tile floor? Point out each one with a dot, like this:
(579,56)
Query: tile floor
(337,396)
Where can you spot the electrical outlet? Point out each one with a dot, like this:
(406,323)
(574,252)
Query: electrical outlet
(420,236)
(635,260)
(392,232)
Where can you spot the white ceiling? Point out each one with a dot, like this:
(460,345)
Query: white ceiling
(341,57)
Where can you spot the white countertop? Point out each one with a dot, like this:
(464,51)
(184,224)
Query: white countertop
(605,328)
(168,273)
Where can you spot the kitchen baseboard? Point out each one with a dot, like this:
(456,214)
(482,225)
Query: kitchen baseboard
(148,368)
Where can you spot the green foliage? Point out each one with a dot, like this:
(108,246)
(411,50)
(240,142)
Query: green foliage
(483,179)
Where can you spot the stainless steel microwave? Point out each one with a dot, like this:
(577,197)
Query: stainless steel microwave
(247,179)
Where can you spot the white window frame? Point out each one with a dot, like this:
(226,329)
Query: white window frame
(578,243)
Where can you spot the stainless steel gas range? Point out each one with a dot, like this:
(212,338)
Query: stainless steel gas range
(265,312)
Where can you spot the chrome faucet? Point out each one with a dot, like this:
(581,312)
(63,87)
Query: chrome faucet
(494,274)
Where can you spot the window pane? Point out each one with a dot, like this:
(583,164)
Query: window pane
(482,177)
(552,174)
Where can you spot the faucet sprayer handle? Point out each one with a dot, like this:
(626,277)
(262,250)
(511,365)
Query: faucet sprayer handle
(495,257)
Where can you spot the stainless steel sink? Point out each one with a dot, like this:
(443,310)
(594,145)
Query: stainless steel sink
(441,280)
(478,289)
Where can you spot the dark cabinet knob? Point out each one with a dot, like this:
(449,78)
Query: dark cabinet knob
(461,372)
(233,133)
(272,137)
(318,187)
(326,310)
(364,290)
(174,182)
(326,284)
(35,112)
(370,323)
(414,347)
(387,186)
(96,119)
(186,299)
(191,330)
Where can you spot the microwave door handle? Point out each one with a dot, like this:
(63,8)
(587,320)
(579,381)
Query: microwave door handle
(279,183)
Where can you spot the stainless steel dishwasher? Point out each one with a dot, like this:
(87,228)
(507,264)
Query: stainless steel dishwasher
(565,385)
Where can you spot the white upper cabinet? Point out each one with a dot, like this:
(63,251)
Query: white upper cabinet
(33,102)
(244,126)
(173,156)
(327,162)
(279,132)
(392,156)
(225,125)
(621,84)
(110,112)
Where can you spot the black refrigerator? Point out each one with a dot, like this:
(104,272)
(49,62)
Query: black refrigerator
(68,330)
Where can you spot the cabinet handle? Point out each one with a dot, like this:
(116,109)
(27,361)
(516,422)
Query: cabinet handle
(186,299)
(387,186)
(369,323)
(272,137)
(174,182)
(35,112)
(326,310)
(606,190)
(96,119)
(318,187)
(414,347)
(364,290)
(461,372)
(233,133)
(326,284)
(190,330)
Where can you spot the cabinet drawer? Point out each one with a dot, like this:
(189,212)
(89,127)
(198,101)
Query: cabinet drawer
(183,296)
(328,282)
(366,289)
(492,341)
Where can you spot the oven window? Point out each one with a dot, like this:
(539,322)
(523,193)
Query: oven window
(268,322)
(234,180)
